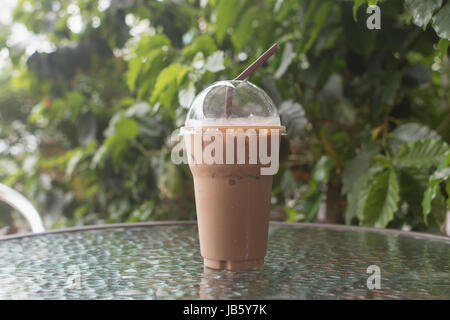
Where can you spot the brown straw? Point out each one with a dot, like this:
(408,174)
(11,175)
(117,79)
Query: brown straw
(263,58)
(246,73)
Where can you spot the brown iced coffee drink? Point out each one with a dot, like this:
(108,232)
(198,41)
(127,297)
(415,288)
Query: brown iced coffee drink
(233,204)
(232,160)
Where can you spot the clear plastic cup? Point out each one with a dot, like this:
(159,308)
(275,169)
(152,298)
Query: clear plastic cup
(232,136)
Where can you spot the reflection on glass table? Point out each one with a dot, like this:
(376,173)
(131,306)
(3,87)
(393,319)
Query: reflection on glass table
(163,261)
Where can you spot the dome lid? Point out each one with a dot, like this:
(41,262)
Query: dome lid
(232,103)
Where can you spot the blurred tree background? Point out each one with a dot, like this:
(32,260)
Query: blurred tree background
(85,122)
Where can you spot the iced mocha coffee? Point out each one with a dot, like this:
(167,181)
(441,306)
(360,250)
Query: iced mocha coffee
(233,189)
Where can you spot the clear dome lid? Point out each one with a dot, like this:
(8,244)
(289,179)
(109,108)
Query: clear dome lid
(232,103)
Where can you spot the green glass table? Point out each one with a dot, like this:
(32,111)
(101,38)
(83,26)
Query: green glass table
(162,261)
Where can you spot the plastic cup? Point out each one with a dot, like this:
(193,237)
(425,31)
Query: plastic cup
(232,135)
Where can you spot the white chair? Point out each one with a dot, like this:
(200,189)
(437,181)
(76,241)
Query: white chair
(21,204)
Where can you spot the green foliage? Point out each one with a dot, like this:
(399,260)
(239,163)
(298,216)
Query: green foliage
(167,84)
(357,167)
(374,195)
(382,200)
(420,154)
(366,111)
(319,20)
(226,14)
(410,132)
(293,116)
(307,205)
(441,22)
(422,11)
(443,47)
(124,132)
(243,31)
(439,176)
(356,5)
(358,194)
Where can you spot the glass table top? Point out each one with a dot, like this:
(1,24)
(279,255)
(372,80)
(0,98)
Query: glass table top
(164,262)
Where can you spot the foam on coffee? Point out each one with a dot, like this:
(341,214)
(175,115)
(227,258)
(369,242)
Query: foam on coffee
(251,121)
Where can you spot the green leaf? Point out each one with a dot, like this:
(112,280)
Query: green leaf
(423,153)
(382,160)
(441,22)
(447,189)
(203,43)
(292,214)
(92,190)
(226,14)
(382,200)
(286,59)
(436,218)
(358,195)
(410,132)
(319,20)
(167,96)
(433,203)
(429,195)
(322,169)
(433,186)
(148,43)
(154,62)
(244,31)
(293,117)
(356,167)
(310,206)
(134,66)
(356,5)
(441,174)
(73,162)
(443,47)
(109,131)
(413,183)
(167,79)
(422,11)
(98,157)
(125,130)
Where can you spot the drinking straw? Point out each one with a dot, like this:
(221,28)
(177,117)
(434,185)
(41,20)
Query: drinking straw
(246,73)
(266,55)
